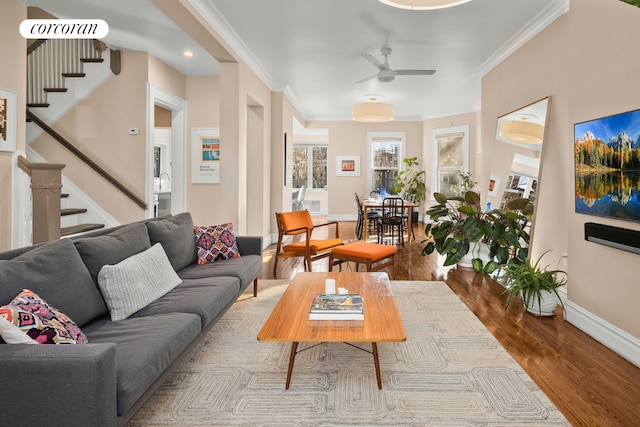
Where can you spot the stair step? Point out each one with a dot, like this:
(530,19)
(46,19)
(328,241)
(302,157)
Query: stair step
(71,211)
(55,89)
(67,231)
(91,60)
(73,74)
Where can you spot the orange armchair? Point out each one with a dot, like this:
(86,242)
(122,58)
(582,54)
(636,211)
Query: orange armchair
(299,224)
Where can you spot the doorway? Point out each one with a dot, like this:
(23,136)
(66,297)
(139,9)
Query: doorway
(172,114)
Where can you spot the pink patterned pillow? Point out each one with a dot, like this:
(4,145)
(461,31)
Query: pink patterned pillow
(216,242)
(40,321)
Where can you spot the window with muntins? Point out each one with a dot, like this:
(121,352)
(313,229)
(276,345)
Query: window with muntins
(386,151)
(310,166)
(450,159)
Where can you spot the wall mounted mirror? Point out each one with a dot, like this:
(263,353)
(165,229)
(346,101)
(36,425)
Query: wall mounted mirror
(517,155)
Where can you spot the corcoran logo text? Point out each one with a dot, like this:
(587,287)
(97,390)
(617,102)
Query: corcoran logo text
(63,28)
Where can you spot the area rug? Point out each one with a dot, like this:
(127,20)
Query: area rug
(450,372)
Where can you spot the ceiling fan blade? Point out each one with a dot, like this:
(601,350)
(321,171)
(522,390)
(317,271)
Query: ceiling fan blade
(414,72)
(367,78)
(373,60)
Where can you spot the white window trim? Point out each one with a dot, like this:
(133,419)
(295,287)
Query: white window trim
(435,133)
(402,136)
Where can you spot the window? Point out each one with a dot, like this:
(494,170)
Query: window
(450,158)
(310,166)
(386,151)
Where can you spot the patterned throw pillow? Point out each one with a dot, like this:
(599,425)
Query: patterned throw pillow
(216,242)
(41,322)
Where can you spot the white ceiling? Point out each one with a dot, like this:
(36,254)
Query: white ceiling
(312,49)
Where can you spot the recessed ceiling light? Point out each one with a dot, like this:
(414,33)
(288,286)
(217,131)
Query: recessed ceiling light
(423,4)
(188,53)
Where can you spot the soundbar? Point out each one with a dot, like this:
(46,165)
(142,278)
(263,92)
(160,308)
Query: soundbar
(615,237)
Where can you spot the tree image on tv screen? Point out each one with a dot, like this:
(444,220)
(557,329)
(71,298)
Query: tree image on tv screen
(607,172)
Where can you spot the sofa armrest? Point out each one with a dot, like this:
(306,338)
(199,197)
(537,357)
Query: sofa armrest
(47,384)
(249,245)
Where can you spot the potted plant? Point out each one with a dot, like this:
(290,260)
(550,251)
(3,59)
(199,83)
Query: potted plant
(459,226)
(509,238)
(411,180)
(535,285)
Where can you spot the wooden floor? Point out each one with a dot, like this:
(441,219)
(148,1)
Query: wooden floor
(589,383)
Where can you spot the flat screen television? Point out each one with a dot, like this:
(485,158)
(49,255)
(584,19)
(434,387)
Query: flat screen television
(607,166)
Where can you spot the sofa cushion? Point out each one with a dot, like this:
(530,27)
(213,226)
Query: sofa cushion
(56,272)
(136,281)
(245,268)
(206,297)
(146,346)
(113,247)
(216,242)
(41,322)
(177,238)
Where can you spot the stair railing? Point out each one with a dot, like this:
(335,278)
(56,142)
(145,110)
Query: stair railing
(46,188)
(86,159)
(50,62)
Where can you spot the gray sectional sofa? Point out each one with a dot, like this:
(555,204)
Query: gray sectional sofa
(104,382)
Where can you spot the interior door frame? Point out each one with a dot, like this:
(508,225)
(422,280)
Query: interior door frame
(178,108)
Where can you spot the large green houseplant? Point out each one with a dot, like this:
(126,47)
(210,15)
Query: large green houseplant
(411,180)
(457,224)
(537,286)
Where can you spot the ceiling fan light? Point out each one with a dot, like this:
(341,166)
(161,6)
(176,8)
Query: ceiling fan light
(372,112)
(522,132)
(423,4)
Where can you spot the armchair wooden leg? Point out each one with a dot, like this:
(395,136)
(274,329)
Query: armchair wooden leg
(275,265)
(255,287)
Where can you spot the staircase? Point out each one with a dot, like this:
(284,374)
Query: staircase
(51,65)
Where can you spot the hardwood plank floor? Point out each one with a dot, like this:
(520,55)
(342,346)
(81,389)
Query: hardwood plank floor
(590,384)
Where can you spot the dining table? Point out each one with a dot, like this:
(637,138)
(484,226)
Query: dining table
(376,203)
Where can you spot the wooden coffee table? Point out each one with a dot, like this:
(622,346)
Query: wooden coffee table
(289,321)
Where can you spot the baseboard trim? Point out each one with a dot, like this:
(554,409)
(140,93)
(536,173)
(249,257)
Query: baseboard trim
(607,334)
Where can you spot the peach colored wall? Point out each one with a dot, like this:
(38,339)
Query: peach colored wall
(165,77)
(584,61)
(13,77)
(98,126)
(203,111)
(241,91)
(348,138)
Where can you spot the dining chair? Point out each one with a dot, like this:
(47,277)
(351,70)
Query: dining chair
(370,222)
(299,224)
(391,219)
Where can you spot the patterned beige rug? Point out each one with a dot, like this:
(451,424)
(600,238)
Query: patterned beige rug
(450,372)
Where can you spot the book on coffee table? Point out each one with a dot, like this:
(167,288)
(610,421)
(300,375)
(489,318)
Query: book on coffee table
(337,307)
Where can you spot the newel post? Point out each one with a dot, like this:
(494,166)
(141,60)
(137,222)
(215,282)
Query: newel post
(46,188)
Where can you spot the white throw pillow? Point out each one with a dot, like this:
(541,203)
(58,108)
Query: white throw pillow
(11,334)
(136,281)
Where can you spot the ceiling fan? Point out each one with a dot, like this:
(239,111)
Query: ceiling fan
(385,73)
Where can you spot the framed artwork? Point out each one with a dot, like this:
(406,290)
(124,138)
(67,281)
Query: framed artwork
(8,123)
(205,156)
(347,165)
(494,182)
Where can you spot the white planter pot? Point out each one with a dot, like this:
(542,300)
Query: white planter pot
(547,306)
(478,250)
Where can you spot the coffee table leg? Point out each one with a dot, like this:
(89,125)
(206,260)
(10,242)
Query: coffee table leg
(292,358)
(376,362)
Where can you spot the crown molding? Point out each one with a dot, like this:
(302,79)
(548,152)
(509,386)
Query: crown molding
(549,14)
(210,13)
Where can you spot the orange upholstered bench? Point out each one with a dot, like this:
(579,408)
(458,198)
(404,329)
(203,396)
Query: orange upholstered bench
(374,256)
